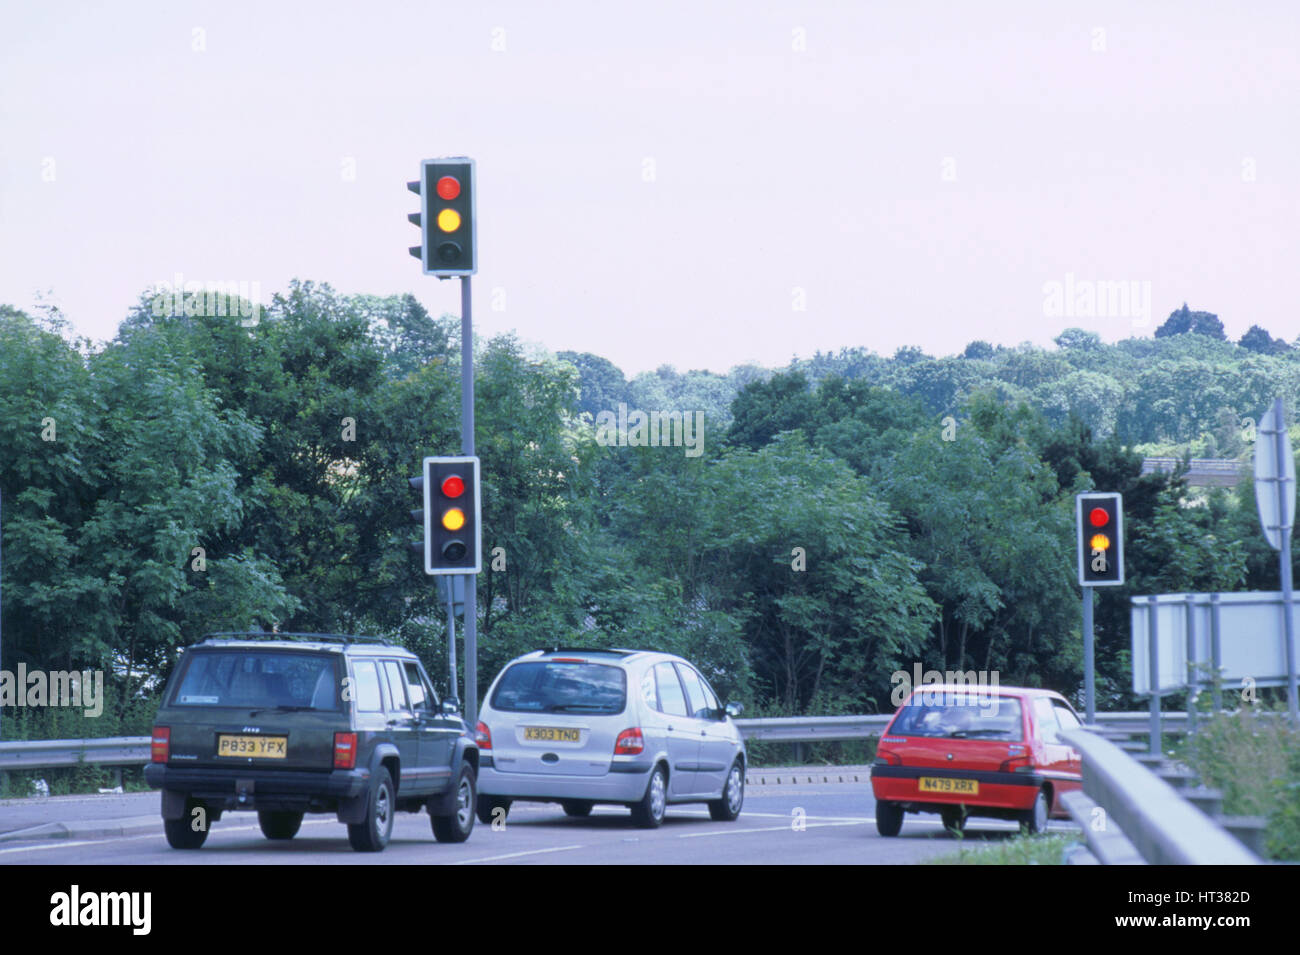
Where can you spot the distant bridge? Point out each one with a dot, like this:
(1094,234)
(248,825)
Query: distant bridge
(1202,472)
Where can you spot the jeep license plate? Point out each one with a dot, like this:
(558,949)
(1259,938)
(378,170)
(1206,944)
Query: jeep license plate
(260,747)
(552,734)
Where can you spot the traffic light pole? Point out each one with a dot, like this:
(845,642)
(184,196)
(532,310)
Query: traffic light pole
(467,447)
(1089,671)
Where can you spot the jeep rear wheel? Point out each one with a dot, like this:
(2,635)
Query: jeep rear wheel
(373,834)
(457,826)
(182,833)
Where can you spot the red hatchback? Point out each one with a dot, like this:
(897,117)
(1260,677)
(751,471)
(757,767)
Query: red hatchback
(961,751)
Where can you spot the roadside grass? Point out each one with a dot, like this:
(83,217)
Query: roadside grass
(1022,849)
(1253,756)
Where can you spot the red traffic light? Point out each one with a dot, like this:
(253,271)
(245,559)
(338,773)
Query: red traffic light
(448,187)
(453,486)
(1098,516)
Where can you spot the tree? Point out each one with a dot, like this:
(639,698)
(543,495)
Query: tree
(601,386)
(801,549)
(1184,321)
(1261,342)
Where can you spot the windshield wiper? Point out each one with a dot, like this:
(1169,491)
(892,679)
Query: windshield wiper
(963,734)
(282,708)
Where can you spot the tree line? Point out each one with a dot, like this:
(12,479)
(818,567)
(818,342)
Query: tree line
(845,518)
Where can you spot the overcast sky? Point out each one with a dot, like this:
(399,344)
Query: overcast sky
(698,184)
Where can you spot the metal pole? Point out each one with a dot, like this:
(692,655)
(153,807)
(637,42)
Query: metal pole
(2,498)
(467,447)
(1216,656)
(1193,678)
(451,634)
(1089,672)
(1284,556)
(1153,676)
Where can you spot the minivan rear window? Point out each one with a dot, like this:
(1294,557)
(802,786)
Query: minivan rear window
(561,687)
(959,716)
(259,678)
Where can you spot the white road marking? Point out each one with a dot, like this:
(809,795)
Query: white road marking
(68,845)
(515,855)
(785,828)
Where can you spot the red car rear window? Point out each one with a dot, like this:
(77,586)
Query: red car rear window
(960,716)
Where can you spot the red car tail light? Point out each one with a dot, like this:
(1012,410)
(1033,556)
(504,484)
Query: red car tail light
(482,736)
(160,746)
(629,742)
(1017,764)
(886,758)
(345,750)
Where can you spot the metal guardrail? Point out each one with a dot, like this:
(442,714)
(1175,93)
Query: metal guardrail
(134,750)
(813,729)
(1143,819)
(48,753)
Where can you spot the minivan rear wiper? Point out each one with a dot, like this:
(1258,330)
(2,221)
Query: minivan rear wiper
(563,707)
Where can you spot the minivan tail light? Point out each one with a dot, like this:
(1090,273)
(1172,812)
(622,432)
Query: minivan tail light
(629,742)
(160,746)
(345,750)
(482,736)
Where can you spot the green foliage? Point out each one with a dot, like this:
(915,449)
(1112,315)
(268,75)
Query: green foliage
(1253,756)
(1016,850)
(850,516)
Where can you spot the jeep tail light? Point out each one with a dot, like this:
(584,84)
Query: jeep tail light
(482,736)
(629,742)
(345,750)
(160,746)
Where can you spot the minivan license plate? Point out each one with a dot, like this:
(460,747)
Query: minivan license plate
(552,734)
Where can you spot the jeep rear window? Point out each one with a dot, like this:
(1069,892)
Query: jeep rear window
(959,716)
(259,678)
(561,687)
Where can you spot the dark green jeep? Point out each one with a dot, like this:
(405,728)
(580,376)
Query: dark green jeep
(287,724)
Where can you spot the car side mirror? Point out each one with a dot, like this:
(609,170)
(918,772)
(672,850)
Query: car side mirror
(734,709)
(451,707)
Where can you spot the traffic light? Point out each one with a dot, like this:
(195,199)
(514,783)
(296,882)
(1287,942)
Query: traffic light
(452,515)
(446,217)
(1099,519)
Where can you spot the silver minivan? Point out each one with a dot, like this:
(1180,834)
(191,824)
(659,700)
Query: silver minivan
(629,727)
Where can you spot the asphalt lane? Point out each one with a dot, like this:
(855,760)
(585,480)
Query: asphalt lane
(793,825)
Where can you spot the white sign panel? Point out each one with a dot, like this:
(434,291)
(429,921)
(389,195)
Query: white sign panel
(1274,478)
(1251,641)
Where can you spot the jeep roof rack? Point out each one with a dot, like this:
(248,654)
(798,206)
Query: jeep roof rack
(342,638)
